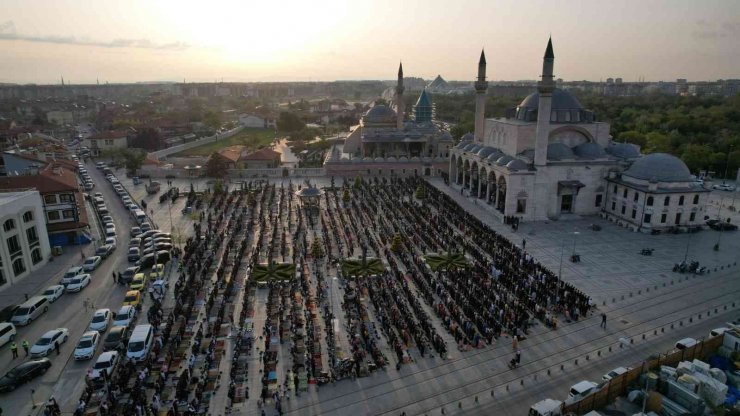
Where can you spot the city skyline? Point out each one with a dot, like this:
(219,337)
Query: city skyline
(332,40)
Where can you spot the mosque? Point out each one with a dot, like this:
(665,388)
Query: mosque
(565,165)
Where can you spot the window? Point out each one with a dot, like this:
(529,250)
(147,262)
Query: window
(680,200)
(28,216)
(108,142)
(692,216)
(50,199)
(667,201)
(599,197)
(615,189)
(68,213)
(634,213)
(36,256)
(66,198)
(521,206)
(9,225)
(636,197)
(678,218)
(14,247)
(53,215)
(614,206)
(647,218)
(624,208)
(624,193)
(650,201)
(33,237)
(663,217)
(696,199)
(18,266)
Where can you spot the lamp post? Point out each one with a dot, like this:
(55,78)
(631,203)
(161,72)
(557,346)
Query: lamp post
(575,234)
(727,163)
(688,241)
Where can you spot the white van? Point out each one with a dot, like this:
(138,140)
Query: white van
(7,333)
(140,216)
(140,342)
(685,343)
(582,389)
(32,309)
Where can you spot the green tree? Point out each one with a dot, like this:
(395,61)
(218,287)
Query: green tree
(632,136)
(289,122)
(317,250)
(133,159)
(397,243)
(345,196)
(216,167)
(657,142)
(148,138)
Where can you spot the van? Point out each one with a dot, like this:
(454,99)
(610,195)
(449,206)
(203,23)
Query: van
(32,309)
(718,331)
(140,216)
(581,389)
(7,333)
(685,343)
(140,342)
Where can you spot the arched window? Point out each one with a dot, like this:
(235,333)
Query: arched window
(696,199)
(9,225)
(18,266)
(28,216)
(680,200)
(650,201)
(667,201)
(36,256)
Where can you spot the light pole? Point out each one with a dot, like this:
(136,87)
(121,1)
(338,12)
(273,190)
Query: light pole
(575,234)
(727,163)
(688,241)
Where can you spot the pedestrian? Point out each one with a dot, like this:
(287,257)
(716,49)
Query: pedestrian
(84,304)
(114,277)
(14,349)
(515,343)
(518,357)
(56,347)
(603,320)
(25,346)
(524,243)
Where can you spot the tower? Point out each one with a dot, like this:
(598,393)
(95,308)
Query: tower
(545,88)
(481,86)
(399,98)
(423,110)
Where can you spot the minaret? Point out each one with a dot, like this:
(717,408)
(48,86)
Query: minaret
(545,88)
(399,98)
(481,87)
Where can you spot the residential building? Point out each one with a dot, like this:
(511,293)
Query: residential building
(231,156)
(261,159)
(255,121)
(106,140)
(25,245)
(64,207)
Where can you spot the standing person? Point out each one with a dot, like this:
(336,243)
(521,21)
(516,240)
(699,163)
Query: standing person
(56,347)
(14,349)
(518,357)
(515,343)
(25,346)
(524,243)
(603,320)
(114,277)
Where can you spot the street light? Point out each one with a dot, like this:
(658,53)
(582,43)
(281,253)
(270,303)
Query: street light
(575,234)
(688,241)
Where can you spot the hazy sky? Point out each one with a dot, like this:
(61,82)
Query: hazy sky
(247,40)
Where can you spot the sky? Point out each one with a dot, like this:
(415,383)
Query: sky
(326,40)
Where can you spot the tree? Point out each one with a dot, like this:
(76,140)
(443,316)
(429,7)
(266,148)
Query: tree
(363,267)
(148,138)
(317,250)
(447,261)
(273,272)
(133,158)
(289,121)
(421,192)
(397,243)
(212,119)
(358,182)
(345,196)
(216,167)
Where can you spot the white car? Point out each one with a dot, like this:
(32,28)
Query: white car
(100,320)
(91,263)
(111,241)
(106,363)
(78,283)
(125,316)
(53,293)
(615,373)
(88,344)
(71,272)
(48,342)
(724,187)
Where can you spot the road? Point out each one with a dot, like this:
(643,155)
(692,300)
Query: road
(65,379)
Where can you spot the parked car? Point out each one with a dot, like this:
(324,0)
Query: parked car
(78,283)
(66,281)
(72,272)
(106,363)
(149,233)
(133,298)
(116,339)
(721,225)
(135,231)
(91,263)
(139,282)
(24,373)
(157,271)
(7,332)
(112,241)
(134,254)
(163,256)
(724,187)
(53,292)
(88,344)
(125,316)
(145,226)
(48,342)
(100,320)
(135,242)
(146,261)
(107,219)
(615,373)
(128,275)
(104,251)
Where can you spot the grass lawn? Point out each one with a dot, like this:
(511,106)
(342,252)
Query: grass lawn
(253,138)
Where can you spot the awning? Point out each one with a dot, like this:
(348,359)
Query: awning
(569,185)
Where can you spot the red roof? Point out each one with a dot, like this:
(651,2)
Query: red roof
(264,154)
(232,153)
(110,134)
(51,178)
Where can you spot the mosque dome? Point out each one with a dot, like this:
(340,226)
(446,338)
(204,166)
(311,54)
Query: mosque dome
(356,160)
(467,137)
(623,150)
(517,164)
(468,146)
(475,148)
(503,160)
(659,167)
(561,100)
(565,108)
(486,150)
(391,159)
(559,151)
(589,150)
(367,159)
(379,159)
(495,155)
(380,114)
(403,159)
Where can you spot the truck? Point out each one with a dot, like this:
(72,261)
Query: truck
(547,407)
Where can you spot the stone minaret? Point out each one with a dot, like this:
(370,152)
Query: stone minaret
(545,88)
(481,87)
(400,107)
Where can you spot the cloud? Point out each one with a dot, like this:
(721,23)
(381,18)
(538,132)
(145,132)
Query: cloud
(706,30)
(8,32)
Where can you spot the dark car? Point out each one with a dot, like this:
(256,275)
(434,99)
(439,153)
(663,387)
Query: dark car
(721,226)
(8,312)
(24,373)
(104,251)
(147,261)
(116,339)
(128,275)
(134,254)
(163,256)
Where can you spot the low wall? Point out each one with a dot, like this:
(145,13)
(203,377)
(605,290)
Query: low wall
(186,146)
(157,172)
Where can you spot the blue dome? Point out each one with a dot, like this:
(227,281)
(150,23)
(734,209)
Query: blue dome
(485,151)
(467,137)
(561,100)
(493,157)
(503,160)
(659,167)
(475,148)
(517,164)
(559,151)
(589,150)
(468,146)
(623,150)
